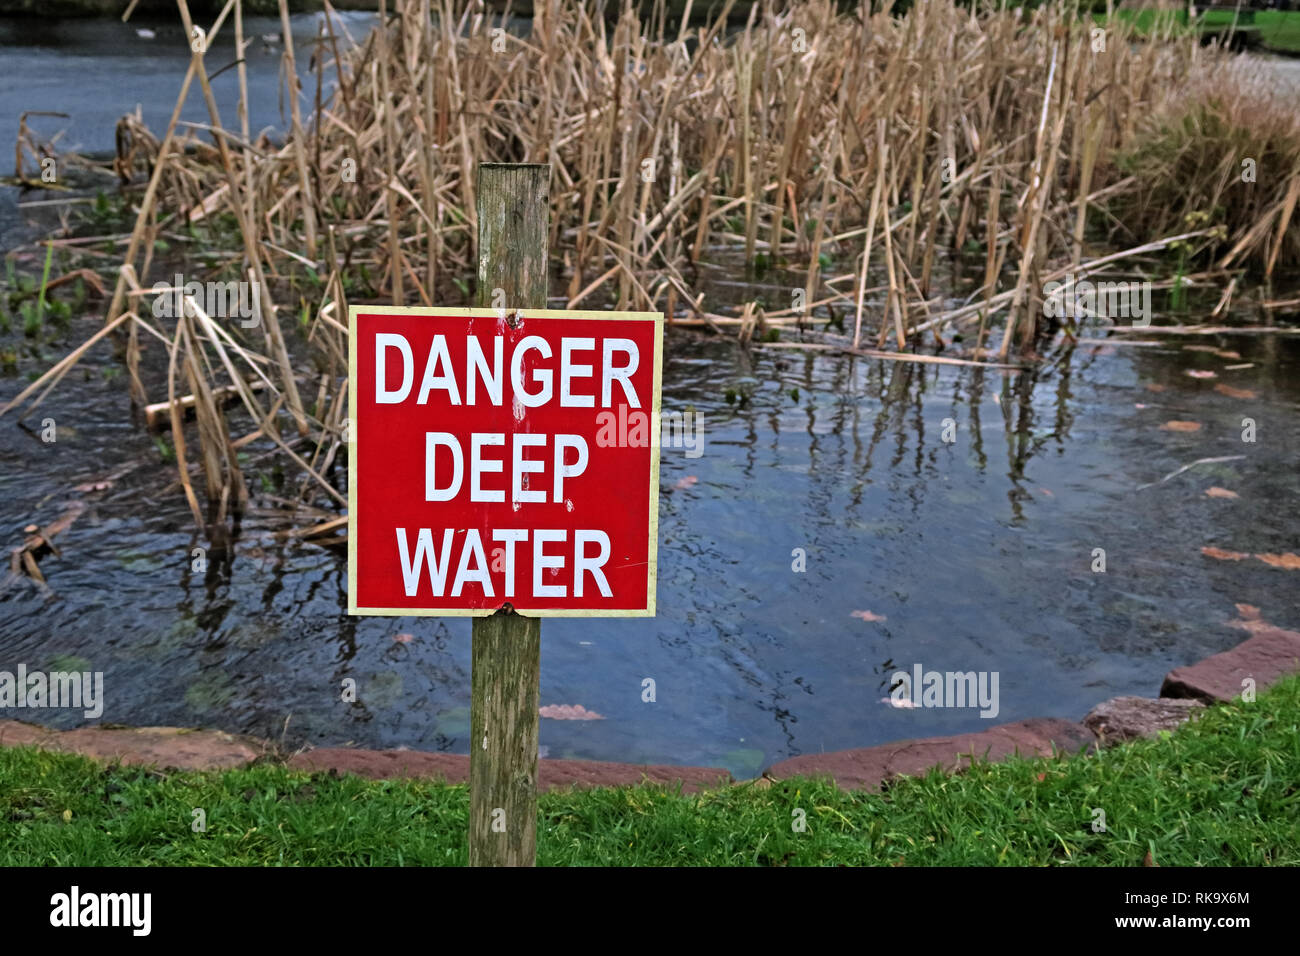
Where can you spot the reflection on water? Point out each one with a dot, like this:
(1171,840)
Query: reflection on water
(977,552)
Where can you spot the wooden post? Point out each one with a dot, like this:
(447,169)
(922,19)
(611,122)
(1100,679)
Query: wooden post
(513,209)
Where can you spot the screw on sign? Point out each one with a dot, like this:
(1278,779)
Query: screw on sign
(476,477)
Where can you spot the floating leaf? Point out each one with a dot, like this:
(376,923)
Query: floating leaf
(568,712)
(868,616)
(1177,426)
(1250,620)
(1290,562)
(1227,353)
(403,638)
(685,482)
(1220,554)
(1233,392)
(1217,492)
(1152,387)
(1201,373)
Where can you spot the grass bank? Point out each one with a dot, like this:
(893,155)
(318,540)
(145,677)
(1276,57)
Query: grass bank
(1224,790)
(1279,30)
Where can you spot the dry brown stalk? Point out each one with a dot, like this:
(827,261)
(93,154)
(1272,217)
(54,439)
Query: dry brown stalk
(809,133)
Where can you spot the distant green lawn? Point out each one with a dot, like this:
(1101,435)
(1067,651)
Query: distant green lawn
(1222,790)
(1278,29)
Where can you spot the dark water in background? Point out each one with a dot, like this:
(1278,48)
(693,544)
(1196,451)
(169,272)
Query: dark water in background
(978,553)
(96,70)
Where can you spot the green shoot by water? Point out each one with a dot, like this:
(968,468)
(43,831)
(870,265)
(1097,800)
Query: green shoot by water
(45,281)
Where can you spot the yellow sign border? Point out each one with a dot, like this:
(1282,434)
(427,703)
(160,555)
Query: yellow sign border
(652,570)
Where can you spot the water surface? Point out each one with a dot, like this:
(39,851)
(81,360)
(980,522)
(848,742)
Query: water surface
(978,553)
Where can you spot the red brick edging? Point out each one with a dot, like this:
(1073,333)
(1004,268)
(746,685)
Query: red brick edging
(1270,654)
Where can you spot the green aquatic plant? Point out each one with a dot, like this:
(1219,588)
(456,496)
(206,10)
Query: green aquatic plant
(45,281)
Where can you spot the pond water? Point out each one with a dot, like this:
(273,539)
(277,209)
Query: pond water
(978,553)
(96,70)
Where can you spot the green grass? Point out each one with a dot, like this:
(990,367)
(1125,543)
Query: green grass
(1223,790)
(1278,29)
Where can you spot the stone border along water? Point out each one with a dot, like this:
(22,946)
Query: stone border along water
(1270,654)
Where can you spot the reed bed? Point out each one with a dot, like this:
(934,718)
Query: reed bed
(1225,150)
(807,139)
